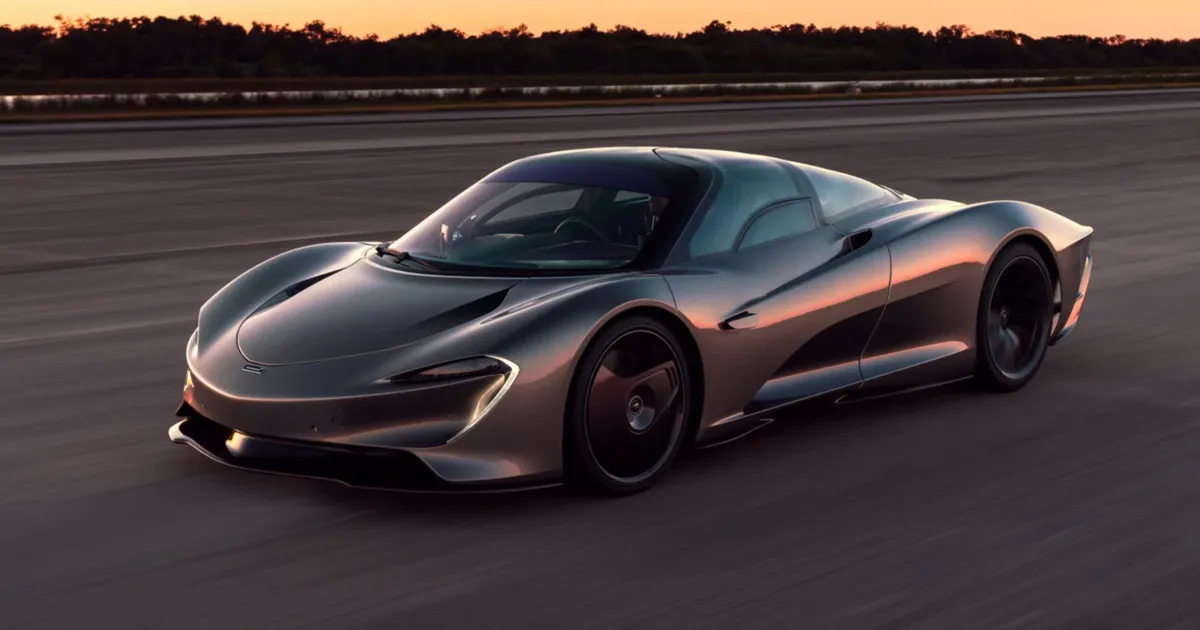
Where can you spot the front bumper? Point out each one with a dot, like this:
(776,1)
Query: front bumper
(354,466)
(476,432)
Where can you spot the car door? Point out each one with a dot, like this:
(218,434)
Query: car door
(783,306)
(817,312)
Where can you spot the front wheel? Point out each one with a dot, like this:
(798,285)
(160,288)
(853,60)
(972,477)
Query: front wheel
(1014,319)
(628,408)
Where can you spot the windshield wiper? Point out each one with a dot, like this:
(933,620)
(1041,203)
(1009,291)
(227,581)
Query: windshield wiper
(383,250)
(426,263)
(441,265)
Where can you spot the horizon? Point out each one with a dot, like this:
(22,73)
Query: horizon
(1166,19)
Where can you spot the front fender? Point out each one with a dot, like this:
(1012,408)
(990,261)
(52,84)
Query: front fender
(545,340)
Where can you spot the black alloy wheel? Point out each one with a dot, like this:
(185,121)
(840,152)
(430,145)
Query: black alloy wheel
(629,406)
(1015,316)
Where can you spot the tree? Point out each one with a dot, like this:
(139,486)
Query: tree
(193,46)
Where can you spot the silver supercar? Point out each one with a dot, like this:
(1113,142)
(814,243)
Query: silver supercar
(581,316)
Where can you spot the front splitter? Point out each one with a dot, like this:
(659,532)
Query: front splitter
(356,467)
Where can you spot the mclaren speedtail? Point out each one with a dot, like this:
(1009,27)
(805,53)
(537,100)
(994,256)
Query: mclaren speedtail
(581,316)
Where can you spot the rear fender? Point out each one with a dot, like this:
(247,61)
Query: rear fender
(937,277)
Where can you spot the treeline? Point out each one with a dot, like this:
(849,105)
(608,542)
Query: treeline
(160,48)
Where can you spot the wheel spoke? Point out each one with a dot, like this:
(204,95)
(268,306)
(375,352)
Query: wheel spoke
(1012,348)
(670,400)
(996,342)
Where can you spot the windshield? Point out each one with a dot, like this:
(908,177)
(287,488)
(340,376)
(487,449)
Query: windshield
(536,226)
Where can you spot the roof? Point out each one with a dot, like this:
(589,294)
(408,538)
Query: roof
(639,169)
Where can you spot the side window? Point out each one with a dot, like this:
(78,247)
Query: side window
(790,218)
(745,189)
(628,195)
(554,199)
(842,195)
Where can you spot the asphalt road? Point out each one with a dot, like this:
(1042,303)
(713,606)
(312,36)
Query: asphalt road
(1071,504)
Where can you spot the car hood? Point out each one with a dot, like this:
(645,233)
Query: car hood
(363,308)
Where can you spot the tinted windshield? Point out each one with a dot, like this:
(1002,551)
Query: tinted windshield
(537,226)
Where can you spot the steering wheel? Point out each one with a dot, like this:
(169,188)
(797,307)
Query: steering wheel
(587,226)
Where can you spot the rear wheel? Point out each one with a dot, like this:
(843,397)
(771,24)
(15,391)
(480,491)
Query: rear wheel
(629,403)
(1014,319)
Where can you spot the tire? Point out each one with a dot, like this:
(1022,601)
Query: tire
(1014,319)
(628,406)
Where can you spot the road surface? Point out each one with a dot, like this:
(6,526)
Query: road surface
(1074,503)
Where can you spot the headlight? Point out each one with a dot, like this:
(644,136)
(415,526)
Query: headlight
(465,368)
(482,401)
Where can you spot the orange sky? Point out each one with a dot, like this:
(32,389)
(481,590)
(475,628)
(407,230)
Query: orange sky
(1145,18)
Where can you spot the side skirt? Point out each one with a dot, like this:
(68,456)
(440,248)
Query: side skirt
(741,427)
(750,427)
(867,394)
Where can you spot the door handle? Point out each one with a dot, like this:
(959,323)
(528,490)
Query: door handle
(742,321)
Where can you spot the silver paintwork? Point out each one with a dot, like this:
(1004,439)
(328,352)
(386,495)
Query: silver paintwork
(897,311)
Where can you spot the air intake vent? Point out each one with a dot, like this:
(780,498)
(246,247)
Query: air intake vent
(859,239)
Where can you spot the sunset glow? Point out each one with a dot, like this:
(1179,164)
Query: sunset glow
(1153,18)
